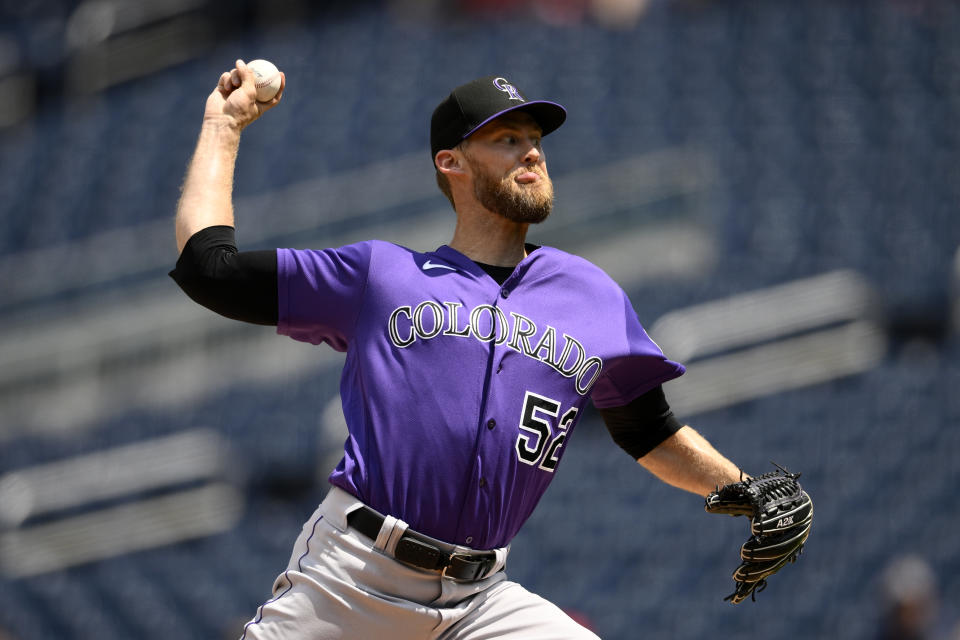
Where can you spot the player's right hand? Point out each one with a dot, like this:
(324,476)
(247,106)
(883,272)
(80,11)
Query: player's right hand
(235,98)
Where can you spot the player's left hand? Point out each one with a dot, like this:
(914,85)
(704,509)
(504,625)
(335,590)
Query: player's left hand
(235,98)
(781,514)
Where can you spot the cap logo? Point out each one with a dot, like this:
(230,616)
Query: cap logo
(509,89)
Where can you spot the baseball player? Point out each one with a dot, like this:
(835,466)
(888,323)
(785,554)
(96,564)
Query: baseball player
(467,369)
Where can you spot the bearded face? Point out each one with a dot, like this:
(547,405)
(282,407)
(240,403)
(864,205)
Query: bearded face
(526,203)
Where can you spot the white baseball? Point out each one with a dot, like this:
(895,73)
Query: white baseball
(268,79)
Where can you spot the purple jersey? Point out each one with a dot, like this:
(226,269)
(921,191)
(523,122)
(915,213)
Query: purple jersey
(460,394)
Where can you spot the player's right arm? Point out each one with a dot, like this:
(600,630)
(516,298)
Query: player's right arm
(210,269)
(207,196)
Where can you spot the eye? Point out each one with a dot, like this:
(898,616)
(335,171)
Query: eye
(510,139)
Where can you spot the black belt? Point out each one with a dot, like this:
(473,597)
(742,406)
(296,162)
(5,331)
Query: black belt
(418,550)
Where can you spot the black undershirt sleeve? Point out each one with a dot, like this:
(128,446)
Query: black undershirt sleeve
(241,285)
(642,424)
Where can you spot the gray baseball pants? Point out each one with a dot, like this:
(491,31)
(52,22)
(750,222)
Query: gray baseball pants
(341,584)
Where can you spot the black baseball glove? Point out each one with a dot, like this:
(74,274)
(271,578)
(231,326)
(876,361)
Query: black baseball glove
(780,517)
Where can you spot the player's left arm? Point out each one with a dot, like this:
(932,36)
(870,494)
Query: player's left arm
(687,460)
(675,453)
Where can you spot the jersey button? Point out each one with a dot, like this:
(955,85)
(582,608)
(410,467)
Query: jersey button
(504,293)
(483,482)
(491,423)
(469,539)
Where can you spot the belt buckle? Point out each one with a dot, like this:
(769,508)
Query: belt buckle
(463,561)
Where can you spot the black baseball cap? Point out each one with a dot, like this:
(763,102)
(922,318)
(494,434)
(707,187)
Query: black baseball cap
(472,105)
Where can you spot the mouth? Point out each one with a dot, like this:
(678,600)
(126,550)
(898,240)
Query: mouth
(527,177)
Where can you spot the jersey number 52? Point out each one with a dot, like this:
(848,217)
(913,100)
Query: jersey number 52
(536,444)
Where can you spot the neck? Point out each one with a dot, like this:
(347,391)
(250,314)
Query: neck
(487,237)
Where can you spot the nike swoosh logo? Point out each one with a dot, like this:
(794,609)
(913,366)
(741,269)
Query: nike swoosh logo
(430,265)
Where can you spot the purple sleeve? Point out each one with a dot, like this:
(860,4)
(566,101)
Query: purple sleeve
(319,293)
(640,367)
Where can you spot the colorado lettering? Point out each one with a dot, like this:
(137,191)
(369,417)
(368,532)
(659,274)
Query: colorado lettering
(488,323)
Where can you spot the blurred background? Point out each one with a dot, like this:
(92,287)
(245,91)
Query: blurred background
(774,183)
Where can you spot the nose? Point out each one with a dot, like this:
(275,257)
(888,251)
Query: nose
(532,154)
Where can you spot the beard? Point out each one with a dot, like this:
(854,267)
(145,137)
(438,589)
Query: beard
(525,203)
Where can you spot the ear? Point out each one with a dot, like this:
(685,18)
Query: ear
(449,162)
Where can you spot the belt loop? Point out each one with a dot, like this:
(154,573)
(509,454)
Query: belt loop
(399,528)
(501,560)
(390,532)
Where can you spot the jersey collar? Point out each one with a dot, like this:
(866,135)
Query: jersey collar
(536,256)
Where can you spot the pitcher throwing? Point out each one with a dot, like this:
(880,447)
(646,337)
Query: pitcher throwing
(467,369)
